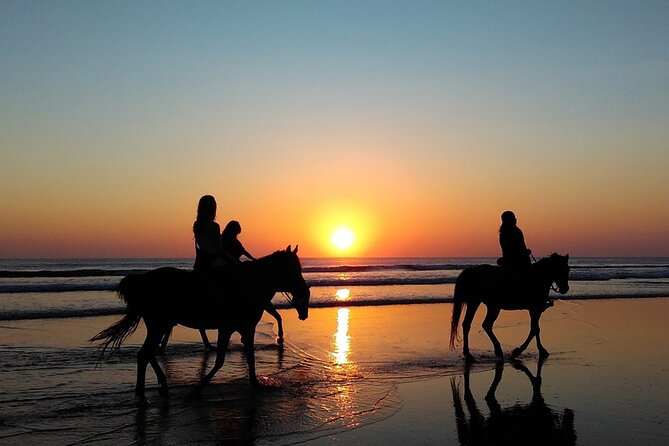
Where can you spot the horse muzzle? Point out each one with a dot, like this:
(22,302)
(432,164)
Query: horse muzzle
(302,303)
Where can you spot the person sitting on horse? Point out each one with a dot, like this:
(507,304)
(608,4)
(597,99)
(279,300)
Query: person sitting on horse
(207,233)
(208,248)
(234,249)
(231,244)
(515,253)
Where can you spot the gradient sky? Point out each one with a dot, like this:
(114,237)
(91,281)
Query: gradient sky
(415,123)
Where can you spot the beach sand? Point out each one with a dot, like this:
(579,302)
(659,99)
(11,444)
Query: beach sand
(362,375)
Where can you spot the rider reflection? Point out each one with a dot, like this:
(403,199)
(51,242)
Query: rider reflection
(531,423)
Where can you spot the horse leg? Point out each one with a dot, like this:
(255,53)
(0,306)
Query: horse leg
(165,340)
(221,349)
(248,337)
(491,316)
(534,331)
(146,354)
(269,308)
(490,397)
(162,379)
(535,316)
(205,340)
(466,326)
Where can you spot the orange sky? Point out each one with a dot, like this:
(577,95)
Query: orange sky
(416,129)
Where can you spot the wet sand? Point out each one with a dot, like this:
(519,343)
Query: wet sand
(363,375)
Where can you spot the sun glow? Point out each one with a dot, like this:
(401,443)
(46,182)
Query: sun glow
(342,238)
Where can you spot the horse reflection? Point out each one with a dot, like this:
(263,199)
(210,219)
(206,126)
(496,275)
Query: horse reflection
(520,424)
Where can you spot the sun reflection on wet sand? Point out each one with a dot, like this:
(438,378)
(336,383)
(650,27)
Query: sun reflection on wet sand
(342,341)
(344,370)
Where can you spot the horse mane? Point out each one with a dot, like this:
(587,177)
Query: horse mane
(552,257)
(272,259)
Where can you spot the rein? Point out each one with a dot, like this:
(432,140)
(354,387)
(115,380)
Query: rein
(286,295)
(554,285)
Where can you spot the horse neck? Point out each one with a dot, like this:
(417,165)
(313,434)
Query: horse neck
(544,271)
(265,267)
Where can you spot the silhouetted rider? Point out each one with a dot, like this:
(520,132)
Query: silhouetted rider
(515,253)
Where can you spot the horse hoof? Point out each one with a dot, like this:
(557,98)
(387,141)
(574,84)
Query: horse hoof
(164,392)
(141,399)
(543,354)
(469,359)
(516,352)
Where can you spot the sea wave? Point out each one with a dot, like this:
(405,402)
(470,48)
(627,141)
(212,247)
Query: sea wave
(52,313)
(329,282)
(107,280)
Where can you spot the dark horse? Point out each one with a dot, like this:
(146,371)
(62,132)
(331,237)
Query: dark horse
(500,289)
(228,299)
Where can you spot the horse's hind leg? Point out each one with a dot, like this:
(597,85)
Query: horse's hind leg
(491,316)
(248,339)
(162,379)
(221,349)
(146,354)
(466,326)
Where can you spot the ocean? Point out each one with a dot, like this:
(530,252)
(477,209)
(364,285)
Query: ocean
(60,288)
(372,365)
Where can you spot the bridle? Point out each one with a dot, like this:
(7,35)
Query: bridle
(554,285)
(287,296)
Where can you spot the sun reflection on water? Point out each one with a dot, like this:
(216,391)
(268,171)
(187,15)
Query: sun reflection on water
(345,370)
(342,341)
(342,294)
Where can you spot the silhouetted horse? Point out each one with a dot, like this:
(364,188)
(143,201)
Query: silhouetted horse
(501,289)
(270,309)
(520,424)
(230,298)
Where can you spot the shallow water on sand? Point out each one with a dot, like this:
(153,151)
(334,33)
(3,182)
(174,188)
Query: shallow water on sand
(53,389)
(364,375)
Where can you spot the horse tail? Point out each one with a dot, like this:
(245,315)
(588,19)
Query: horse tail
(459,302)
(114,335)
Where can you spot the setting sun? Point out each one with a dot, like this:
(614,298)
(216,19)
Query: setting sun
(342,238)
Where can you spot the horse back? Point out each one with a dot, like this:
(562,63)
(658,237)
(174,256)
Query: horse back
(478,280)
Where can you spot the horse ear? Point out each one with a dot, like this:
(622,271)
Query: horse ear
(296,246)
(288,248)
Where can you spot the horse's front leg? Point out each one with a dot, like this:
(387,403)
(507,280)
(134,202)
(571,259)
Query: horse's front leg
(165,339)
(488,322)
(248,339)
(269,308)
(536,315)
(222,343)
(534,332)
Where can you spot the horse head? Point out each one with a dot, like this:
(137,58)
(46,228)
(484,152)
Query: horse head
(559,270)
(290,280)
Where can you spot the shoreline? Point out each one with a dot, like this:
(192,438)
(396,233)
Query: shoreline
(281,305)
(361,375)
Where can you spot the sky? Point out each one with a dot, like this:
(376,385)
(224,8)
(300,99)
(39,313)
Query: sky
(415,124)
